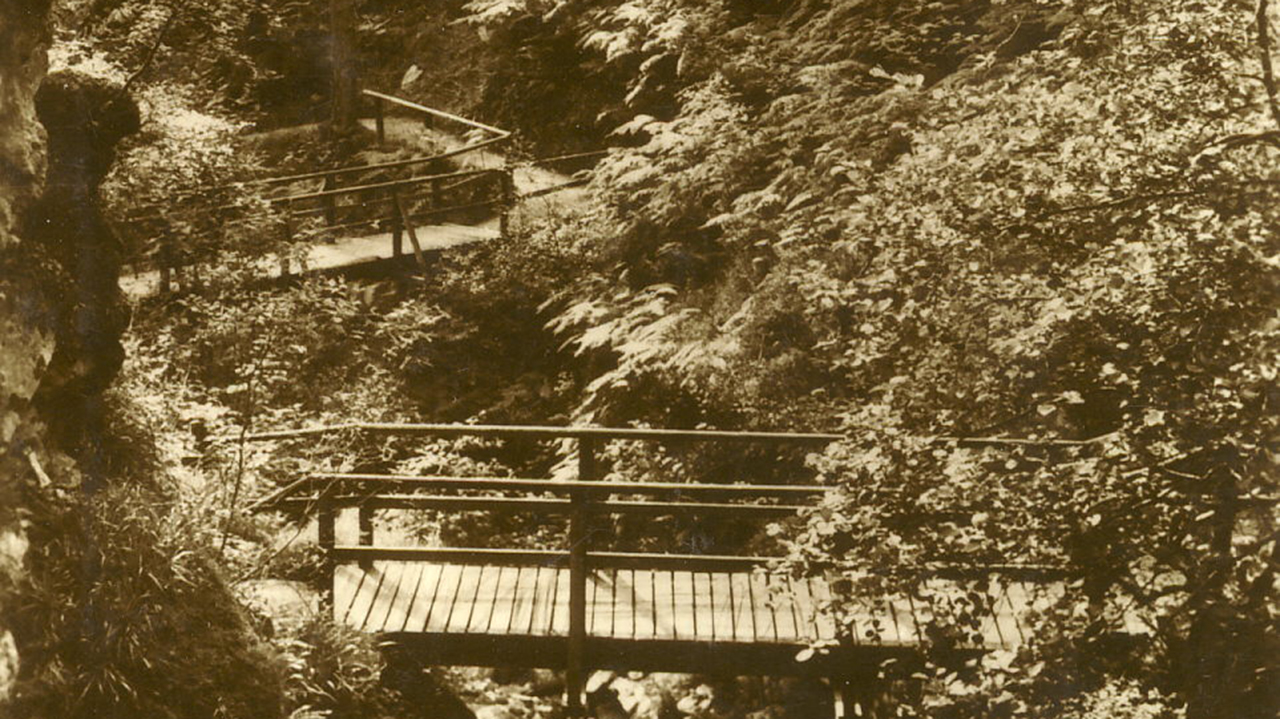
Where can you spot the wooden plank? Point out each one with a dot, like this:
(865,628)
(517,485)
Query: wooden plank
(684,605)
(744,621)
(486,597)
(381,606)
(921,613)
(446,592)
(543,601)
(464,601)
(824,613)
(663,606)
(704,616)
(600,602)
(783,604)
(405,597)
(369,589)
(766,626)
(504,600)
(722,601)
(522,605)
(346,585)
(895,614)
(1014,601)
(805,607)
(644,609)
(1001,623)
(624,604)
(560,614)
(425,597)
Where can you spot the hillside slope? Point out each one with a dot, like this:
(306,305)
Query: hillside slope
(1052,222)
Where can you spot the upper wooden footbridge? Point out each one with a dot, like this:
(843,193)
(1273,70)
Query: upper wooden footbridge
(580,607)
(343,218)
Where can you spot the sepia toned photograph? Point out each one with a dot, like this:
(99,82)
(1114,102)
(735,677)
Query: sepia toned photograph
(639,359)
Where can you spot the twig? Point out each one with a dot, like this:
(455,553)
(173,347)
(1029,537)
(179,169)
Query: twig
(155,47)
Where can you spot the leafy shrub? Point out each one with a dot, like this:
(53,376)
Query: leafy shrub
(334,671)
(123,616)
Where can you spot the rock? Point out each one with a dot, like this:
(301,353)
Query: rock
(494,712)
(283,601)
(410,76)
(25,346)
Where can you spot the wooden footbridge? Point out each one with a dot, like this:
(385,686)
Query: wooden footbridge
(579,609)
(345,217)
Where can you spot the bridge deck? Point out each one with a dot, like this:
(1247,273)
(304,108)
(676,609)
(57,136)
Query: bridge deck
(394,597)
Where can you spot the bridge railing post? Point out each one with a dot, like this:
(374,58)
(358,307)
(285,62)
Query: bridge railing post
(579,516)
(366,531)
(508,198)
(166,263)
(407,223)
(397,228)
(379,120)
(326,511)
(330,203)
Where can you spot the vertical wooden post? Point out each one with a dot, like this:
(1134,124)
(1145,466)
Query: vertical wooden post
(165,257)
(330,204)
(288,238)
(366,532)
(575,678)
(397,228)
(413,235)
(508,198)
(327,538)
(379,120)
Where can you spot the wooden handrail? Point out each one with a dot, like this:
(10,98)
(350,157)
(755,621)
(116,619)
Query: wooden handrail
(406,182)
(554,486)
(550,558)
(587,499)
(335,171)
(435,113)
(549,506)
(550,432)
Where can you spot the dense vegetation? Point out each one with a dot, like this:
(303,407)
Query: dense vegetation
(1049,225)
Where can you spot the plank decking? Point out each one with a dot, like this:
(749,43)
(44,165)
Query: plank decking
(392,597)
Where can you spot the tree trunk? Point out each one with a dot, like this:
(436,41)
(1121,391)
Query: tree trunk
(345,92)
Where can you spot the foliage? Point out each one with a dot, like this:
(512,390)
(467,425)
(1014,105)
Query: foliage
(124,614)
(334,671)
(1053,221)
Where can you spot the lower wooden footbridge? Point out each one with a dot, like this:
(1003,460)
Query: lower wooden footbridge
(581,609)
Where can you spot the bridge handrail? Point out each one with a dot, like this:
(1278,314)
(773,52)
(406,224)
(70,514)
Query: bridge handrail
(434,112)
(583,503)
(335,171)
(552,432)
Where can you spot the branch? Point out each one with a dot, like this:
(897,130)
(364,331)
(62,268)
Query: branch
(1268,73)
(155,47)
(1244,138)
